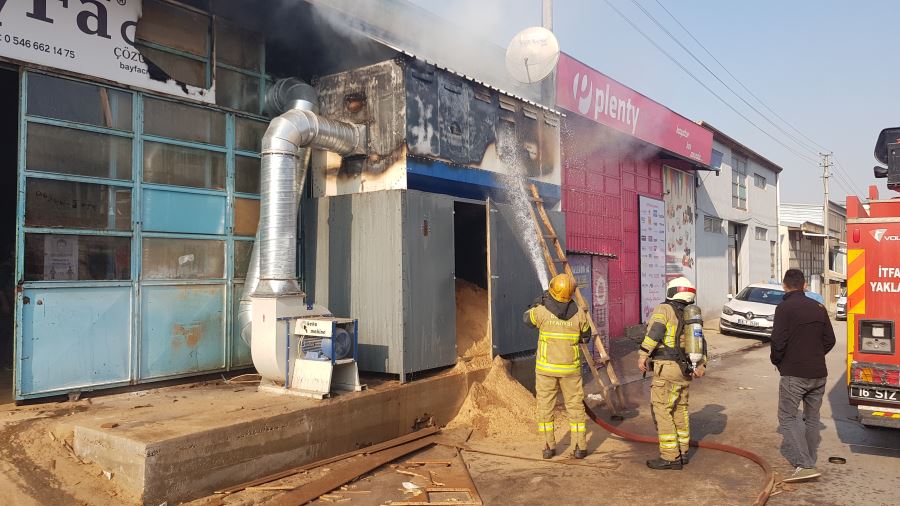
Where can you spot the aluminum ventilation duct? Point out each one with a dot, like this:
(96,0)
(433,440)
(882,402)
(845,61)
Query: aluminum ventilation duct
(285,157)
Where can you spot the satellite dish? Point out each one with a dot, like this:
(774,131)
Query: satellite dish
(532,54)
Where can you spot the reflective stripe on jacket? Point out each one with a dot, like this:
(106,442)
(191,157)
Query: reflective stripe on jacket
(558,352)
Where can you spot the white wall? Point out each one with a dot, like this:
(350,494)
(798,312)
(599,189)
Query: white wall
(714,199)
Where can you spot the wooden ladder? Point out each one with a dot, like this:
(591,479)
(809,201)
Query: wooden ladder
(611,391)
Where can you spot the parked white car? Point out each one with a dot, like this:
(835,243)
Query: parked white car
(840,311)
(752,311)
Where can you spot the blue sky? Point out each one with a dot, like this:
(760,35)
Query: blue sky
(824,66)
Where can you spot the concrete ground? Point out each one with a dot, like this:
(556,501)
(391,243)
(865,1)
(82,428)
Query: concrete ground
(734,404)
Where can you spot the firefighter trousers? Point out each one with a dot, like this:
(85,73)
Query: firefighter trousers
(669,402)
(572,389)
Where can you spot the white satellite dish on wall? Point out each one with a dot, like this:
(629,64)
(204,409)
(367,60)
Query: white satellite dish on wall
(532,54)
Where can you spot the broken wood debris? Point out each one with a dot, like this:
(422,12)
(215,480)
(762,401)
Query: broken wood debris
(410,473)
(355,468)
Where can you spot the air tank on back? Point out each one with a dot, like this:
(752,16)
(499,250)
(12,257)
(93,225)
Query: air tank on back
(693,344)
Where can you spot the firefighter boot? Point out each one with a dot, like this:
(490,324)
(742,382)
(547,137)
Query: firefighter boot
(663,464)
(548,452)
(579,453)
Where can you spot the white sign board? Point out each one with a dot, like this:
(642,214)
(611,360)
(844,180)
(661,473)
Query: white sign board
(90,37)
(652,214)
(60,257)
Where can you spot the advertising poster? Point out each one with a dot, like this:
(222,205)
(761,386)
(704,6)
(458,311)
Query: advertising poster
(60,257)
(581,268)
(652,214)
(679,198)
(600,276)
(95,38)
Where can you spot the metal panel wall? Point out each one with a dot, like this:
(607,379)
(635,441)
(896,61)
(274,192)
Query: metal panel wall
(74,337)
(183,329)
(514,283)
(369,258)
(166,211)
(429,285)
(354,263)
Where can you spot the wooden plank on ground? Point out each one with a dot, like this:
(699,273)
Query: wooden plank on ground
(356,467)
(428,431)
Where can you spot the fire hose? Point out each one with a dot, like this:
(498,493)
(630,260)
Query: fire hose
(763,495)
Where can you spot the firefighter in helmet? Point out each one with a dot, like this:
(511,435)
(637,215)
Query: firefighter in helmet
(663,351)
(562,328)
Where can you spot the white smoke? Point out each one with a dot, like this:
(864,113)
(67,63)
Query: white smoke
(516,192)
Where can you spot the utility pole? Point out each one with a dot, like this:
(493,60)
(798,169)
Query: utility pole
(548,85)
(826,211)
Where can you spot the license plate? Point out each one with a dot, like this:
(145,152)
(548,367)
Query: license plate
(750,323)
(875,394)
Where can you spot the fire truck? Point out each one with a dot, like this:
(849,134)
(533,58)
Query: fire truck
(873,293)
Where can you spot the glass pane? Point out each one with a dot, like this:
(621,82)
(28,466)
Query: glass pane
(175,27)
(183,259)
(52,97)
(242,251)
(55,257)
(246,216)
(237,91)
(162,66)
(176,165)
(68,204)
(238,47)
(179,121)
(248,133)
(68,151)
(246,174)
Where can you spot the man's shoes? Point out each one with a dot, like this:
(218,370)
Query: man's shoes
(802,474)
(579,453)
(663,464)
(685,460)
(548,453)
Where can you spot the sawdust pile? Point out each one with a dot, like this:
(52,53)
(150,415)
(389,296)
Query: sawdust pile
(498,407)
(473,342)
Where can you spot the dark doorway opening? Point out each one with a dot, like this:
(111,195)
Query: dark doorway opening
(9,133)
(470,238)
(471,269)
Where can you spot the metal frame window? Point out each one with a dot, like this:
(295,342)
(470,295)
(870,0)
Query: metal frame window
(759,181)
(186,50)
(738,181)
(712,224)
(83,171)
(762,234)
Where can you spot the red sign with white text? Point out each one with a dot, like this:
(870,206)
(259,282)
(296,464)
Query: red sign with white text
(590,94)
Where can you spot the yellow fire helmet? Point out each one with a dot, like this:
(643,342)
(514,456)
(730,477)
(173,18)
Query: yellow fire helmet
(562,286)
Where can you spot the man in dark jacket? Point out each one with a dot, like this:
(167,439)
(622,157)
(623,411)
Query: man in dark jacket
(801,337)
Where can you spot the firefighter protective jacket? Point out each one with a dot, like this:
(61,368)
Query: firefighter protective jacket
(558,351)
(659,341)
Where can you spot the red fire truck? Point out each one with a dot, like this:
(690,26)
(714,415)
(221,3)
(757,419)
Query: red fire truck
(873,293)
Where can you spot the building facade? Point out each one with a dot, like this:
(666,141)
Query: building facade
(802,246)
(135,198)
(629,169)
(737,223)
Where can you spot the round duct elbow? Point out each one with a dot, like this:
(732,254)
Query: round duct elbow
(288,94)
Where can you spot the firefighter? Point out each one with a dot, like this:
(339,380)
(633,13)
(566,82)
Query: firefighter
(562,327)
(662,350)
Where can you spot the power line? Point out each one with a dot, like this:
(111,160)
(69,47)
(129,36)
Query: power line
(707,88)
(723,83)
(691,35)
